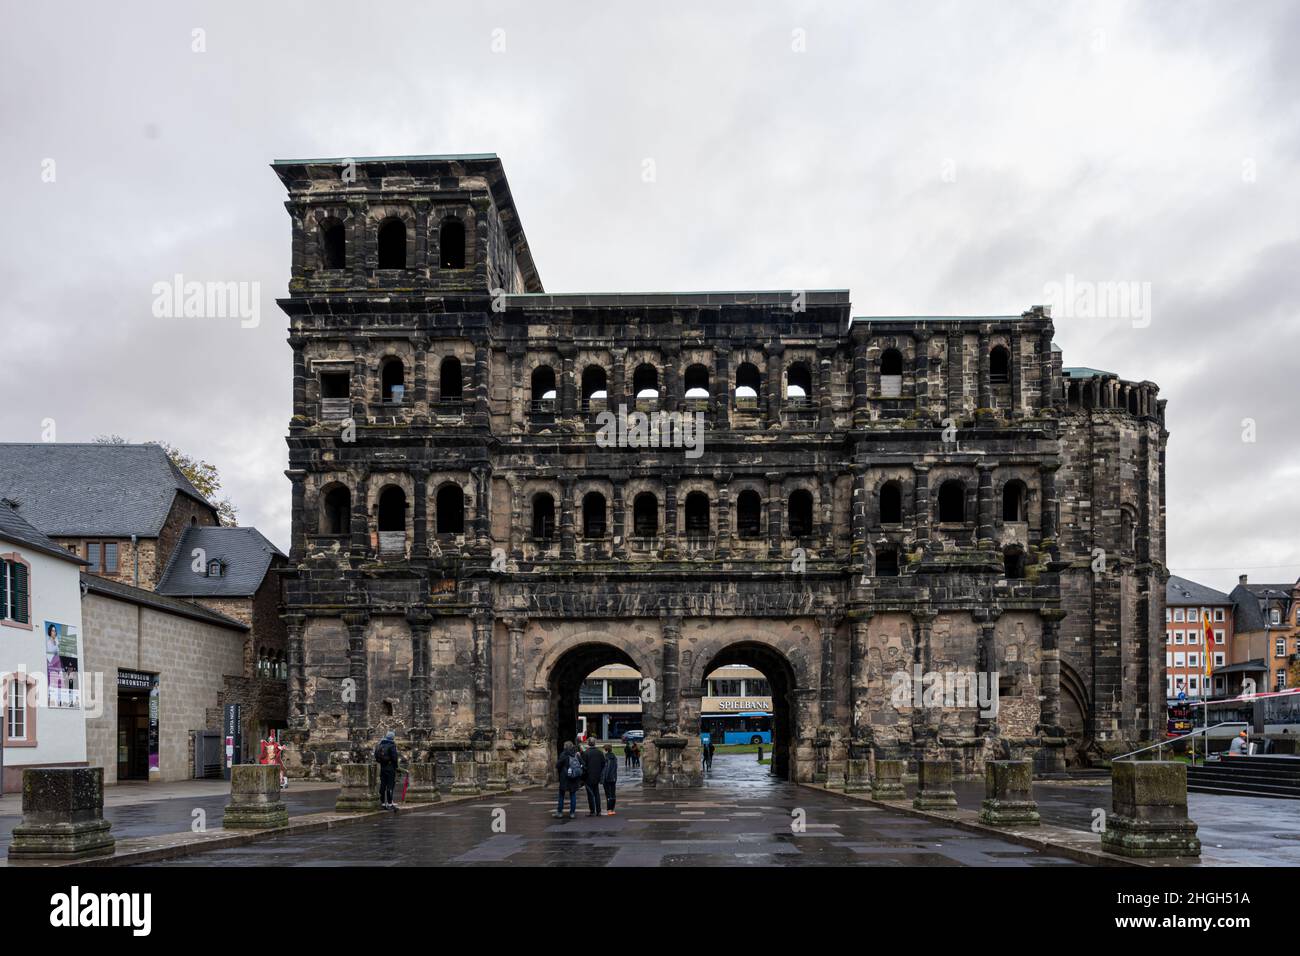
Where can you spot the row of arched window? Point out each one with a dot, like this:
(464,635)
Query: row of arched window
(392,242)
(951,501)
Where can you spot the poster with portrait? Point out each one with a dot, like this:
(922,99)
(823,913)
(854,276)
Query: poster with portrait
(62,668)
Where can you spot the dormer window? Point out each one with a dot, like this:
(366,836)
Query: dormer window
(216,568)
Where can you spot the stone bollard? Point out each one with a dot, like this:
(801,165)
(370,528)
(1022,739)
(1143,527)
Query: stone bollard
(63,816)
(1149,810)
(255,802)
(934,786)
(1009,794)
(424,784)
(466,782)
(360,791)
(887,784)
(498,780)
(857,779)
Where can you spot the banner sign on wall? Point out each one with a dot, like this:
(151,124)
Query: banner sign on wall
(62,669)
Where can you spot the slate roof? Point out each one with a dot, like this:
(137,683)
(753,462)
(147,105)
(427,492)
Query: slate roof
(246,554)
(87,489)
(95,584)
(1181,591)
(17,531)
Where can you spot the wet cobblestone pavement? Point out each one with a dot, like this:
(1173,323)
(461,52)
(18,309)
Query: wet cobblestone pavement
(741,817)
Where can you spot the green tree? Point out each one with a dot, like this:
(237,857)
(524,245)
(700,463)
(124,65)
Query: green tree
(204,477)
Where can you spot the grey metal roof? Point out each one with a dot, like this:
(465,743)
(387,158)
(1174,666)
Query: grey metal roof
(244,552)
(17,531)
(95,584)
(1182,591)
(83,489)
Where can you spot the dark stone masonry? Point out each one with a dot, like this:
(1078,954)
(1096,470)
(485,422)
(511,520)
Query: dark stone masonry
(869,500)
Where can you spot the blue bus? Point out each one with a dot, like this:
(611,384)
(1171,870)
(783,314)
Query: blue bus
(749,727)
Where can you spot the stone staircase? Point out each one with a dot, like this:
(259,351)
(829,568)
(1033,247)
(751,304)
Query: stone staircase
(1259,776)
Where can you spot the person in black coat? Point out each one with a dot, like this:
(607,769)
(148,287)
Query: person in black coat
(595,771)
(387,757)
(567,783)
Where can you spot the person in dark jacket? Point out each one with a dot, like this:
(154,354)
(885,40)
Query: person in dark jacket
(595,773)
(387,757)
(569,782)
(608,779)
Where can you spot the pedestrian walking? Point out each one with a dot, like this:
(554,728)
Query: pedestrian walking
(570,771)
(609,779)
(387,756)
(595,761)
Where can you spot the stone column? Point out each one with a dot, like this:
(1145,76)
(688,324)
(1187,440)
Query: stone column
(861,413)
(984,510)
(255,802)
(358,715)
(420,513)
(921,501)
(934,786)
(1009,794)
(63,816)
(774,505)
(671,627)
(517,704)
(568,545)
(1148,811)
(482,667)
(421,623)
(294,625)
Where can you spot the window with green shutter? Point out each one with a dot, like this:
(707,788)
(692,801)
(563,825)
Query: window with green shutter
(19,611)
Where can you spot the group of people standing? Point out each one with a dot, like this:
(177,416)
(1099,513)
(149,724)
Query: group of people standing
(594,769)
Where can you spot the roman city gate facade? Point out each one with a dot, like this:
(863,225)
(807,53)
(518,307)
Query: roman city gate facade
(862,498)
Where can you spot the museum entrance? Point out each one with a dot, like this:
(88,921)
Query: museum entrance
(132,735)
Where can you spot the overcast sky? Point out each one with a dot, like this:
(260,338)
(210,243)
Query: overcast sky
(931,158)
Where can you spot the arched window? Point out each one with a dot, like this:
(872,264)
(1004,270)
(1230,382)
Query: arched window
(333,245)
(952,502)
(697,515)
(1013,563)
(748,382)
(799,513)
(450,383)
(645,382)
(891,373)
(645,515)
(392,244)
(543,516)
(798,388)
(451,244)
(891,503)
(594,387)
(999,365)
(887,563)
(392,520)
(543,389)
(593,515)
(392,381)
(749,511)
(1014,498)
(697,382)
(336,511)
(450,506)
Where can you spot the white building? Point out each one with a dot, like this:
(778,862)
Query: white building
(46,693)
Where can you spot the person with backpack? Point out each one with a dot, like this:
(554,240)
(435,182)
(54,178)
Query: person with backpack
(608,779)
(387,757)
(595,761)
(570,771)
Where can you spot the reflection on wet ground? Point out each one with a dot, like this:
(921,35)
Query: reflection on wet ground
(741,817)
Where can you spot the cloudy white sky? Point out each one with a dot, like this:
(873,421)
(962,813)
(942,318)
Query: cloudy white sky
(931,158)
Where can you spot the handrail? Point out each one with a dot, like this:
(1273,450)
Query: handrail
(1195,733)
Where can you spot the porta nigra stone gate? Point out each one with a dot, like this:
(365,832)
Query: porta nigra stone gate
(867,497)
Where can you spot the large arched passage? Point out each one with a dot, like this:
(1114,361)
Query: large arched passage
(780,675)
